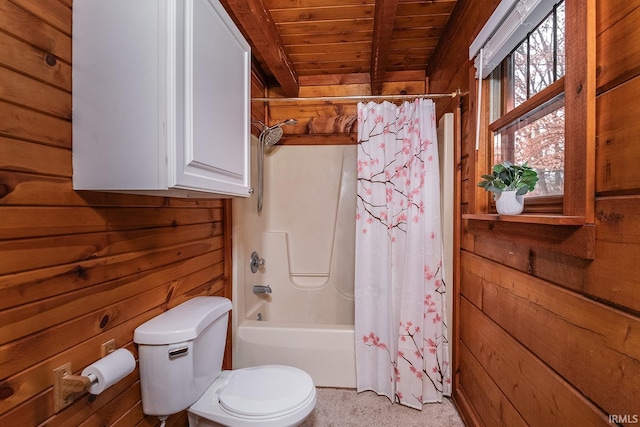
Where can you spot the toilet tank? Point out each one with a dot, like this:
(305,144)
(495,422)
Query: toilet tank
(180,353)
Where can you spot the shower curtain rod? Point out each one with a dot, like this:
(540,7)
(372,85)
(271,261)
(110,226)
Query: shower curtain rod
(362,97)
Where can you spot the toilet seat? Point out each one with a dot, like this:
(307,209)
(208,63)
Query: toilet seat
(265,396)
(265,391)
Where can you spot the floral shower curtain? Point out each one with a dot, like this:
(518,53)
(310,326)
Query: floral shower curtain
(401,347)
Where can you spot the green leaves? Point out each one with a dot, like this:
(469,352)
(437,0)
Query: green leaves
(509,177)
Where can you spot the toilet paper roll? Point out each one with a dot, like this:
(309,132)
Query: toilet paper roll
(110,369)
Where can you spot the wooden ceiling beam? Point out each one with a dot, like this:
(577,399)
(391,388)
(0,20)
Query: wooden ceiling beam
(258,26)
(385,16)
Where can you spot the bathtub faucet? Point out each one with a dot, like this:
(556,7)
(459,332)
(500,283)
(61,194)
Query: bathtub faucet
(261,289)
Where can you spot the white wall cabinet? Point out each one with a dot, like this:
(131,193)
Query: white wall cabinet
(161,98)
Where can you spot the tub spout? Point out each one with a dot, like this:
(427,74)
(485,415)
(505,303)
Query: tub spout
(261,289)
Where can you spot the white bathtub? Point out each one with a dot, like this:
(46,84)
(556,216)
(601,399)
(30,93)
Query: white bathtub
(325,351)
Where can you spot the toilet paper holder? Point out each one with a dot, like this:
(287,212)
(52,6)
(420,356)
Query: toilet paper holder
(67,387)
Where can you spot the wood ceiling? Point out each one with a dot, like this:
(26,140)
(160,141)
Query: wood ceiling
(294,39)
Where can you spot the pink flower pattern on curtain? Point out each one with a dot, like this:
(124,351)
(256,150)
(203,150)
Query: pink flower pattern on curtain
(401,346)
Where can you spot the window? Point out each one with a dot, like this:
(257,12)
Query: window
(535,133)
(536,103)
(539,60)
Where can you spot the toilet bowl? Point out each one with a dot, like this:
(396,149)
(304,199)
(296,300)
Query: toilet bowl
(267,396)
(180,358)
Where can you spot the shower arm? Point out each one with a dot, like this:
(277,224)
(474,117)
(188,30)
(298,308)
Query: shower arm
(266,129)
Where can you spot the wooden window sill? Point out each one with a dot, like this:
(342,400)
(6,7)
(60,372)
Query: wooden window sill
(571,221)
(568,235)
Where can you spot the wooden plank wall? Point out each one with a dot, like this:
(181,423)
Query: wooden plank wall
(80,268)
(547,338)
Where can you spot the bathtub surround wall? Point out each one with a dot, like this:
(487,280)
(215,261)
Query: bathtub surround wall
(305,233)
(446,143)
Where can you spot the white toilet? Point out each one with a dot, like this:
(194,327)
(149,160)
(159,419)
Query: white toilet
(181,355)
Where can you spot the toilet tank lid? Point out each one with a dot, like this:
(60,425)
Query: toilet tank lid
(183,322)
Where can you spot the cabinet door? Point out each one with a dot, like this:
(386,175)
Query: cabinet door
(117,93)
(213,141)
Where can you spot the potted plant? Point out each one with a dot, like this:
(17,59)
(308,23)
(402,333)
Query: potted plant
(509,183)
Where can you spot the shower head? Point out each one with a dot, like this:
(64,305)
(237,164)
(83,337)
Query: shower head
(271,134)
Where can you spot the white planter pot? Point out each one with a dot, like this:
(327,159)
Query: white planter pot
(508,203)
